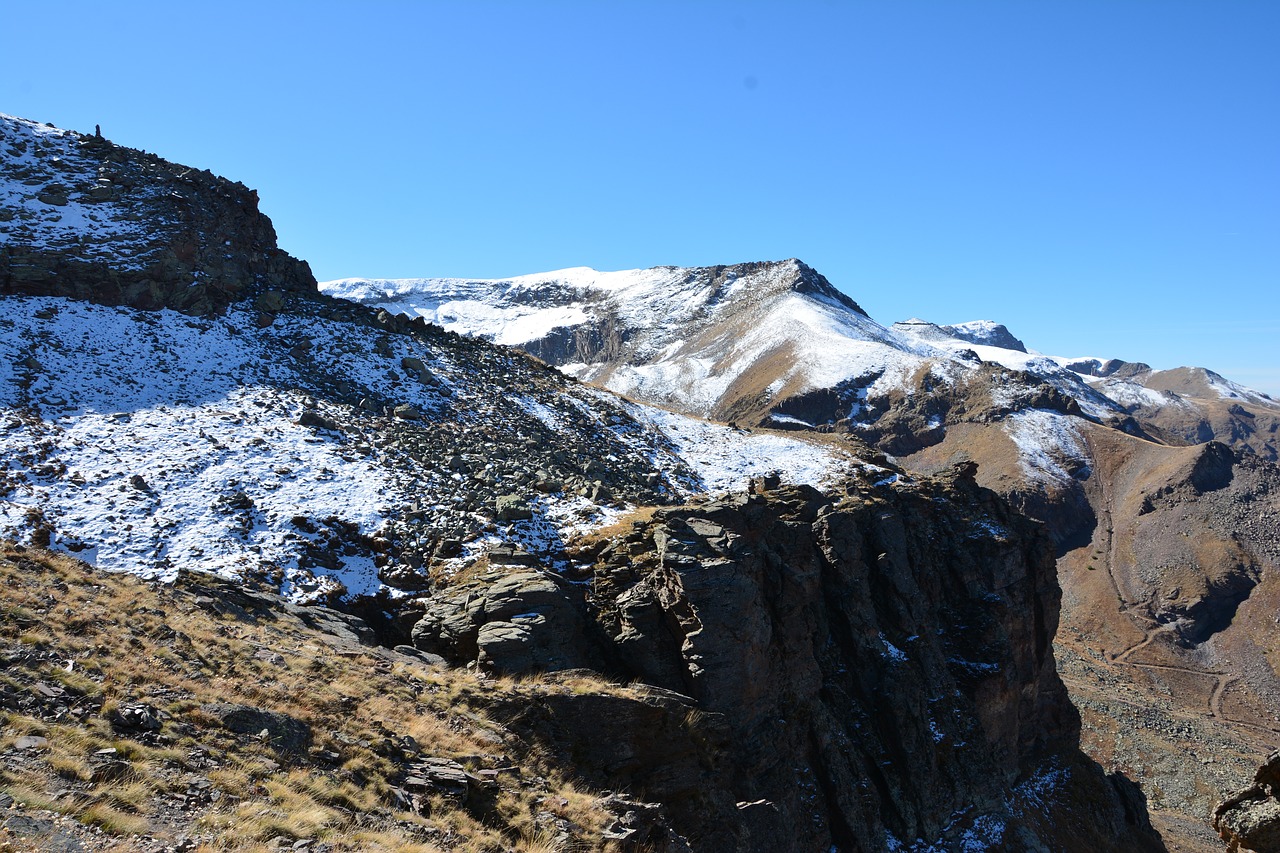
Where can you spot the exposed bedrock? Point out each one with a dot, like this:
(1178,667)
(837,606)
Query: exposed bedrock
(168,236)
(851,671)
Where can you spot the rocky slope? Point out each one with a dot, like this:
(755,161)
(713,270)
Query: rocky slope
(163,749)
(82,217)
(866,667)
(1158,487)
(1186,405)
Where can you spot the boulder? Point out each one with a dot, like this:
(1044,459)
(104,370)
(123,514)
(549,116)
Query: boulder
(135,717)
(440,775)
(508,646)
(56,196)
(270,302)
(522,622)
(285,733)
(312,418)
(513,508)
(415,368)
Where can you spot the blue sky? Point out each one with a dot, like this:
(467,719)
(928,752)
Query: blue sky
(1103,177)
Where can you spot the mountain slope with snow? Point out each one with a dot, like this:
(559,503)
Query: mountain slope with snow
(332,455)
(775,343)
(717,341)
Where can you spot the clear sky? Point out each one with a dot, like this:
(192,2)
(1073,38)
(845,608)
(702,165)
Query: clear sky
(1103,177)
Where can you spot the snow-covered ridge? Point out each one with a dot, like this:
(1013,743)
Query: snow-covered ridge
(682,337)
(525,308)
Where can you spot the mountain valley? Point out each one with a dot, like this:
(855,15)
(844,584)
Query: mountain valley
(684,559)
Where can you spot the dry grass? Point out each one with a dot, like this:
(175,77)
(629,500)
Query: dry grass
(81,644)
(640,515)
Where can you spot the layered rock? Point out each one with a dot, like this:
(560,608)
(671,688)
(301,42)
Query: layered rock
(855,672)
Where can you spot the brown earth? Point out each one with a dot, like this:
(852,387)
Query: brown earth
(1170,589)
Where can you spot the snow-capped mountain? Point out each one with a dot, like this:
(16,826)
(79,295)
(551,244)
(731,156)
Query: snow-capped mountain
(716,341)
(775,343)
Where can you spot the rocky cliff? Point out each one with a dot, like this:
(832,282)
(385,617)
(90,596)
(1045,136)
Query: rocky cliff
(867,671)
(83,217)
(1249,820)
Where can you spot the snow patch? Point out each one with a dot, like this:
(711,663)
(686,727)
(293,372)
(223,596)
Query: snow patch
(725,458)
(1047,442)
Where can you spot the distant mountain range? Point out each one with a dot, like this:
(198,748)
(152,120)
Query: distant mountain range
(776,343)
(799,534)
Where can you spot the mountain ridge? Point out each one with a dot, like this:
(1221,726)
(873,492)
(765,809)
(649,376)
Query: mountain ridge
(478,508)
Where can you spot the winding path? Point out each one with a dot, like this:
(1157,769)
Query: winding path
(1151,628)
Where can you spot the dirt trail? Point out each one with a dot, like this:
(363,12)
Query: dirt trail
(1215,701)
(1148,637)
(1150,627)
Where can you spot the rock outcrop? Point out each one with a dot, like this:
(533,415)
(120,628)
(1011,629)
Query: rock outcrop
(85,218)
(1249,820)
(855,673)
(514,623)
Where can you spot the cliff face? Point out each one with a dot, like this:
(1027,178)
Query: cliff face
(82,217)
(867,672)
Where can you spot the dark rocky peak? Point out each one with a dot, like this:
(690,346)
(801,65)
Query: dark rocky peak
(772,278)
(1111,367)
(83,217)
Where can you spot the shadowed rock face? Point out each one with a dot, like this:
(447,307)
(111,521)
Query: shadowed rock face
(844,672)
